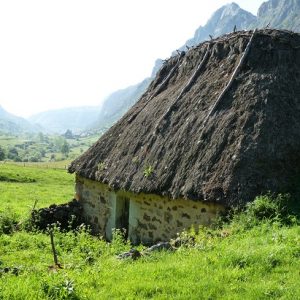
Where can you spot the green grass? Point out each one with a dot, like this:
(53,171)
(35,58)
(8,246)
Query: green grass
(42,147)
(262,263)
(254,256)
(21,186)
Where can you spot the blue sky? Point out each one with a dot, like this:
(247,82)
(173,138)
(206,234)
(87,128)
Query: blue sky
(63,53)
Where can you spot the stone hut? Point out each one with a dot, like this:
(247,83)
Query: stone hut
(219,125)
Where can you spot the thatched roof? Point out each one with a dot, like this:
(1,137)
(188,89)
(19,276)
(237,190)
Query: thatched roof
(186,137)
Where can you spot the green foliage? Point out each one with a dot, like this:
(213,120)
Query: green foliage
(8,222)
(148,171)
(68,134)
(41,137)
(259,263)
(13,154)
(59,289)
(265,208)
(119,243)
(268,207)
(65,148)
(2,154)
(44,148)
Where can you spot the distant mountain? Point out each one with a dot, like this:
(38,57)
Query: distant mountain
(11,124)
(281,14)
(222,21)
(89,118)
(118,103)
(73,118)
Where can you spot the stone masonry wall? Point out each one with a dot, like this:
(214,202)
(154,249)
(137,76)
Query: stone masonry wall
(95,199)
(151,217)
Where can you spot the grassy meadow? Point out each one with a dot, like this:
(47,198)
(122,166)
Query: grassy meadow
(255,255)
(44,148)
(21,186)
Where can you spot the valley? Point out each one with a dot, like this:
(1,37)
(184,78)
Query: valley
(194,146)
(44,148)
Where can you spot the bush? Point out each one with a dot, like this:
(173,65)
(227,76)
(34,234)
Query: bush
(59,288)
(265,208)
(8,222)
(13,154)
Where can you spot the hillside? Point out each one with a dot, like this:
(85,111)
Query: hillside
(117,104)
(281,14)
(13,125)
(73,118)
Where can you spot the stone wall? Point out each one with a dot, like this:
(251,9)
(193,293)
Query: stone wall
(96,200)
(147,218)
(153,218)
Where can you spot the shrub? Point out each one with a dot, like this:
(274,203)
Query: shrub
(265,208)
(59,289)
(271,207)
(119,242)
(13,154)
(8,222)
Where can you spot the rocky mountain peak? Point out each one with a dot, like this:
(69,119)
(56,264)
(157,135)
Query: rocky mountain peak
(221,22)
(283,14)
(230,9)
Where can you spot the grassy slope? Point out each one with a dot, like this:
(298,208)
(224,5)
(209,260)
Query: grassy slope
(77,146)
(49,186)
(229,263)
(262,263)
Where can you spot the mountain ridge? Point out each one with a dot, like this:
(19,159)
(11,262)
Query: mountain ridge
(280,14)
(12,124)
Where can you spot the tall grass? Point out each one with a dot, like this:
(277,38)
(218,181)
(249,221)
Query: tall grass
(259,263)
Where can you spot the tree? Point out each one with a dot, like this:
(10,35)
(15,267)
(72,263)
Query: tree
(68,134)
(13,154)
(41,137)
(2,154)
(65,148)
(58,142)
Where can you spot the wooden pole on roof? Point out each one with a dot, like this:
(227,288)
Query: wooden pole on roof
(229,84)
